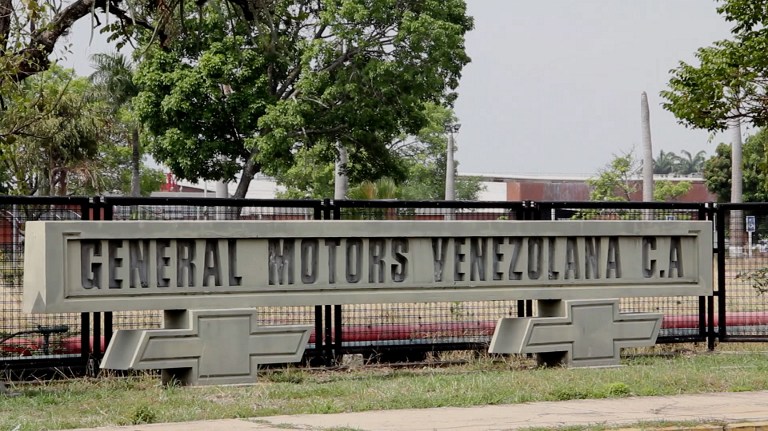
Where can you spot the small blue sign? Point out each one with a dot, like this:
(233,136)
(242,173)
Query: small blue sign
(751,223)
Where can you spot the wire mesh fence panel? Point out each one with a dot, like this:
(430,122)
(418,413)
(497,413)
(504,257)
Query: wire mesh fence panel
(745,272)
(31,336)
(378,326)
(171,211)
(428,211)
(683,315)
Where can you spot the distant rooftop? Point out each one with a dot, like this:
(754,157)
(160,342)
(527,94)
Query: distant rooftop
(494,177)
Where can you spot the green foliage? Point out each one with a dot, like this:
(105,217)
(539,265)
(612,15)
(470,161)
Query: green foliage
(671,163)
(617,389)
(80,403)
(143,414)
(51,129)
(618,181)
(113,78)
(383,188)
(613,183)
(62,135)
(664,190)
(417,165)
(424,157)
(664,163)
(690,164)
(757,277)
(289,375)
(730,78)
(717,170)
(237,96)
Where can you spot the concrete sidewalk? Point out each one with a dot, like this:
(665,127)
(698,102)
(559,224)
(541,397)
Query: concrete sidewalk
(735,409)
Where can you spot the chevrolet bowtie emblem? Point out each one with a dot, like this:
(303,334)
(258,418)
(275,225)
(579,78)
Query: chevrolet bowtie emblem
(216,347)
(587,332)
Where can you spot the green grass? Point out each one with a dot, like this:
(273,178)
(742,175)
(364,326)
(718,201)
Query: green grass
(124,401)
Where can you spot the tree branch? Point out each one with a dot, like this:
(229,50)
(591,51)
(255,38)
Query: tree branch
(6,9)
(126,18)
(34,57)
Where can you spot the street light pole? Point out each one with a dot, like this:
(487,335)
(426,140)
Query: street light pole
(450,166)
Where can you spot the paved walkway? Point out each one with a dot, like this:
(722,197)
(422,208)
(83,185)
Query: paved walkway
(732,408)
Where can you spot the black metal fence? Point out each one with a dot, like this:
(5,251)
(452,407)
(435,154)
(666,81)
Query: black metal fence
(33,342)
(736,311)
(742,272)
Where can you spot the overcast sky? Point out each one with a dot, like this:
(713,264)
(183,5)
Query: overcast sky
(554,85)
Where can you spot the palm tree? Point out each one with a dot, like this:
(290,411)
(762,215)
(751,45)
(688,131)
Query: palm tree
(665,163)
(114,77)
(645,120)
(691,164)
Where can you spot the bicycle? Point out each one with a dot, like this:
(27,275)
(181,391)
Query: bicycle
(45,331)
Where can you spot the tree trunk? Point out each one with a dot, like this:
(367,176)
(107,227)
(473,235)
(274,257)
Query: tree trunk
(450,169)
(62,182)
(249,171)
(341,181)
(645,120)
(135,163)
(736,224)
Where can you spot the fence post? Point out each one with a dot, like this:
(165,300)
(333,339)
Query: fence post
(107,213)
(706,310)
(721,302)
(97,328)
(333,212)
(86,210)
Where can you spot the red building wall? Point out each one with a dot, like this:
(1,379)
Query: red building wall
(577,190)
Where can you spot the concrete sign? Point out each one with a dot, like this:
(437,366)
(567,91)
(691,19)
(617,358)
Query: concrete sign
(113,266)
(206,275)
(584,333)
(208,347)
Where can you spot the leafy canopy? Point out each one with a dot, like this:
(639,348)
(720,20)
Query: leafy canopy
(239,97)
(619,180)
(731,77)
(717,170)
(417,166)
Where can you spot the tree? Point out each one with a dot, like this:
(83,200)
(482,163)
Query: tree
(417,166)
(665,163)
(113,75)
(618,181)
(614,182)
(666,191)
(61,130)
(70,142)
(717,170)
(383,188)
(645,120)
(350,72)
(728,87)
(690,164)
(424,158)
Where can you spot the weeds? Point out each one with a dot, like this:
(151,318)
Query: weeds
(485,380)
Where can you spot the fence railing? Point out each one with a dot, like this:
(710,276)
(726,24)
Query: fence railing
(735,312)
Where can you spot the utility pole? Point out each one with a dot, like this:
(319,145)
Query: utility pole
(450,166)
